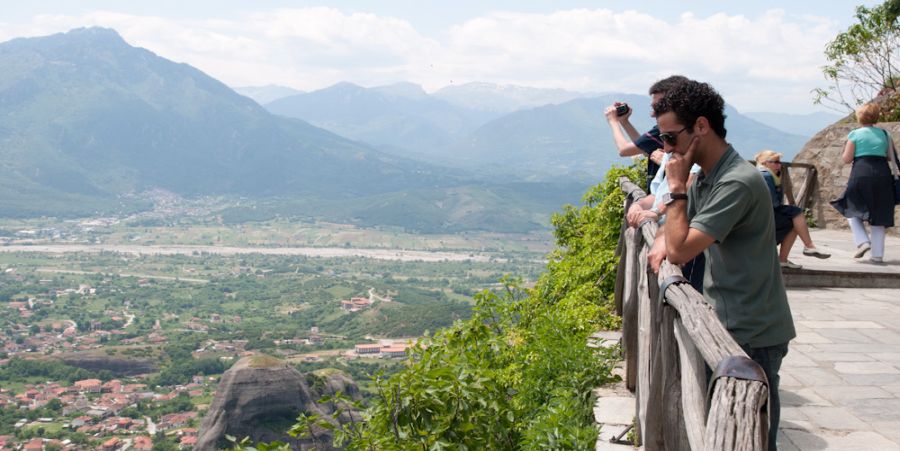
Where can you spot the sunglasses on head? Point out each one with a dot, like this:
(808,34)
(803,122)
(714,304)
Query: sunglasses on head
(671,138)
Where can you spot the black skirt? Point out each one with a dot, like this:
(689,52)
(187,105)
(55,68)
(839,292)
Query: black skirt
(870,192)
(784,220)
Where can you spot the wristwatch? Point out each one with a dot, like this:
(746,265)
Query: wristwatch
(668,198)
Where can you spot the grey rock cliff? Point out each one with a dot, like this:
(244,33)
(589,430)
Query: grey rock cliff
(328,382)
(261,390)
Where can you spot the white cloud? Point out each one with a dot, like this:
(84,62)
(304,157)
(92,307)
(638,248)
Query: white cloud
(753,61)
(603,50)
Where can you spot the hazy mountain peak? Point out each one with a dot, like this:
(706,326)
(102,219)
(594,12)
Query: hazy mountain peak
(503,98)
(268,93)
(403,89)
(95,33)
(343,86)
(76,42)
(495,87)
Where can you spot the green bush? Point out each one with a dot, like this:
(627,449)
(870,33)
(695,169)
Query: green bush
(517,374)
(18,369)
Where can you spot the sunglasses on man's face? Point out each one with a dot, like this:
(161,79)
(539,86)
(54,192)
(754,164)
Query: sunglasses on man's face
(671,138)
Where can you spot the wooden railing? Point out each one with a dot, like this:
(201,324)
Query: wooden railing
(668,342)
(807,180)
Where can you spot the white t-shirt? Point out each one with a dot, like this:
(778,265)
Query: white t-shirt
(660,185)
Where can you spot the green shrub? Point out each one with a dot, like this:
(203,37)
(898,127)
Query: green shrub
(518,374)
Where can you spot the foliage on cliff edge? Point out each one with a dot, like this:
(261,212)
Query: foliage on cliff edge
(518,374)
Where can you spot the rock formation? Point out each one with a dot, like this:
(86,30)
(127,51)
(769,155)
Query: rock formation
(261,390)
(824,152)
(329,381)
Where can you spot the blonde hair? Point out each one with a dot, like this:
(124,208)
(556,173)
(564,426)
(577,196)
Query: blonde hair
(868,113)
(765,155)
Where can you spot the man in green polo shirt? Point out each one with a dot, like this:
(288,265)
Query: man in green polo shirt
(727,215)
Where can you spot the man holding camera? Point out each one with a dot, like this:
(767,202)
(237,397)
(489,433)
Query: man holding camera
(651,207)
(618,115)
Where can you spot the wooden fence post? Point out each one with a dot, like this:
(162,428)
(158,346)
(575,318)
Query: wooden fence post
(675,432)
(649,362)
(693,387)
(630,302)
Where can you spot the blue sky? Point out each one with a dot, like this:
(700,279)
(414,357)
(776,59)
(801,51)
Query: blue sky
(762,55)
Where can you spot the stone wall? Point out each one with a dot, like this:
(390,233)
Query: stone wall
(824,152)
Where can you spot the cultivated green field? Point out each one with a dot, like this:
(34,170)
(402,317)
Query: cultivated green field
(274,233)
(256,297)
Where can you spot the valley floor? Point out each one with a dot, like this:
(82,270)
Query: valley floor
(324,252)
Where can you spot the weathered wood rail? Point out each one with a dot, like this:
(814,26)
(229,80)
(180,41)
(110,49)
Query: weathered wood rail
(807,179)
(668,342)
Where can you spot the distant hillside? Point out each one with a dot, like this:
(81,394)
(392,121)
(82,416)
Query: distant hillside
(552,139)
(399,118)
(503,98)
(575,137)
(85,113)
(512,206)
(750,136)
(805,125)
(265,94)
(565,135)
(91,122)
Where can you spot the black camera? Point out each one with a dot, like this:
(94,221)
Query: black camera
(622,109)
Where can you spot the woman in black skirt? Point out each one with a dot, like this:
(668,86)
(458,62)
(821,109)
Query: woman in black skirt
(869,196)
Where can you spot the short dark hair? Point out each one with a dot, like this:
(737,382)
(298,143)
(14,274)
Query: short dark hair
(692,99)
(667,84)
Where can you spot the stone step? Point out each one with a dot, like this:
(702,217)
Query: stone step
(821,278)
(605,339)
(615,406)
(614,414)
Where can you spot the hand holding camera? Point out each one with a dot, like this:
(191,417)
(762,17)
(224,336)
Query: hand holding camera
(616,111)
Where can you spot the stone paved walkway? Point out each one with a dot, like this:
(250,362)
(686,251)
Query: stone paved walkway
(840,244)
(840,382)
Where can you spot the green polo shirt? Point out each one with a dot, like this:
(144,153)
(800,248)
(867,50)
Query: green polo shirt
(743,278)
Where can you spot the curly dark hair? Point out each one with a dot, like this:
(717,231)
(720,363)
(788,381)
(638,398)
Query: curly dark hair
(692,99)
(667,84)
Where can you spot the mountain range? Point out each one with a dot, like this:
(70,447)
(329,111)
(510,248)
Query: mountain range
(87,113)
(92,122)
(450,127)
(503,99)
(399,118)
